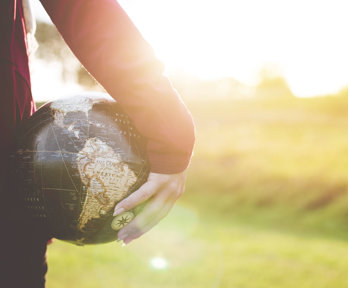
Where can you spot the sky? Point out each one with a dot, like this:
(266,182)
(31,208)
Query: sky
(302,40)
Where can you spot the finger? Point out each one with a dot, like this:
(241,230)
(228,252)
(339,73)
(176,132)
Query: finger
(153,212)
(158,217)
(153,207)
(180,190)
(145,192)
(139,232)
(169,188)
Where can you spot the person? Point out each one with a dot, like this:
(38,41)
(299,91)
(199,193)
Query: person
(110,47)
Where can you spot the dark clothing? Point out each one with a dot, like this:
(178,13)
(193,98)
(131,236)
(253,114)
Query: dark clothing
(113,51)
(23,255)
(22,246)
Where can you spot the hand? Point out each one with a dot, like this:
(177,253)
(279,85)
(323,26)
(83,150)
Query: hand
(161,191)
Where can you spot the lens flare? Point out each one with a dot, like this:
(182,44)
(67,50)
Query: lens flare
(159,263)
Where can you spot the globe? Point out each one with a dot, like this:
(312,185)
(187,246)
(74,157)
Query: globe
(77,157)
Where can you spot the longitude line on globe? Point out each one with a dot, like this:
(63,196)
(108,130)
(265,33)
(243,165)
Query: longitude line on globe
(61,154)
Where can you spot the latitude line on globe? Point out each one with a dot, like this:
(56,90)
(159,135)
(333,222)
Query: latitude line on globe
(58,189)
(48,151)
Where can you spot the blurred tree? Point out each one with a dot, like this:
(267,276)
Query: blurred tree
(52,48)
(272,86)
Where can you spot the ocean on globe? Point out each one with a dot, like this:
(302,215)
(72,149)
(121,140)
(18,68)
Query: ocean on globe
(76,158)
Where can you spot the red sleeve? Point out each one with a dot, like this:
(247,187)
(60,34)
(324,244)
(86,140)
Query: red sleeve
(107,43)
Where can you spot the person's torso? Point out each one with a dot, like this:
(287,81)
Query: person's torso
(15,93)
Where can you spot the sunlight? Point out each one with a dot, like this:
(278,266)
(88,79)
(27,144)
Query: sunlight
(212,39)
(304,40)
(159,263)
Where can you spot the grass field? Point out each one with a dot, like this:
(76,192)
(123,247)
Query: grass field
(266,205)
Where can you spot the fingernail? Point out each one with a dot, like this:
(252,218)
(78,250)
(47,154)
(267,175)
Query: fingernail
(121,237)
(127,241)
(118,211)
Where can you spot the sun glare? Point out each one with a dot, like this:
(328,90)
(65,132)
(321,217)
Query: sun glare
(303,39)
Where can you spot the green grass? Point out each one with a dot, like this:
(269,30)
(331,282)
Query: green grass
(266,206)
(207,251)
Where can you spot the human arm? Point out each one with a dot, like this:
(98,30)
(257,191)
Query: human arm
(107,43)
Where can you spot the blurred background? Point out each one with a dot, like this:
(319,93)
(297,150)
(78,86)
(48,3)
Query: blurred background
(266,203)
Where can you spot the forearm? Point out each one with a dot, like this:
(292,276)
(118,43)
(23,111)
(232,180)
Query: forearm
(107,43)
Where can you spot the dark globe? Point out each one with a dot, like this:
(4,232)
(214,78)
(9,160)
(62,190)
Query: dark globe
(76,159)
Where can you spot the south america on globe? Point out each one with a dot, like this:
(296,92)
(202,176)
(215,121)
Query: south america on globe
(76,158)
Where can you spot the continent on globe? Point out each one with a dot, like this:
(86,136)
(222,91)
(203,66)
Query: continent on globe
(108,180)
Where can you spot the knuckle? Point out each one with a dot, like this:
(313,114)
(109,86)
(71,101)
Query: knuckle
(141,195)
(146,193)
(126,203)
(173,186)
